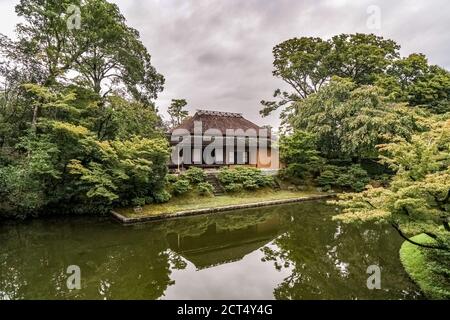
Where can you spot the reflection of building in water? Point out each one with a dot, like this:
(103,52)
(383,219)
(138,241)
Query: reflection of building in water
(218,245)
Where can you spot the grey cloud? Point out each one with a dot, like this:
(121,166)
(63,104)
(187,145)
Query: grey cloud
(218,53)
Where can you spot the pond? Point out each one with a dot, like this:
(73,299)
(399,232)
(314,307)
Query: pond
(285,252)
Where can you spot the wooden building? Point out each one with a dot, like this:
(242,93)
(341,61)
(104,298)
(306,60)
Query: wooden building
(212,139)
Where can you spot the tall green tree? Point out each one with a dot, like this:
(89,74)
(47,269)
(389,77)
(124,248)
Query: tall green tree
(414,81)
(115,57)
(306,64)
(418,200)
(299,152)
(176,112)
(350,121)
(362,57)
(103,53)
(79,132)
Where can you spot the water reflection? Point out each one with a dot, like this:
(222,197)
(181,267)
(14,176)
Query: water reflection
(225,240)
(287,252)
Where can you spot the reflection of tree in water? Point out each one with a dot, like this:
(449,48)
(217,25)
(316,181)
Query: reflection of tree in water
(324,259)
(117,263)
(329,260)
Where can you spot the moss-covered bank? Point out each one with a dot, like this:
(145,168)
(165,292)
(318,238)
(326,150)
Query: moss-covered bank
(419,267)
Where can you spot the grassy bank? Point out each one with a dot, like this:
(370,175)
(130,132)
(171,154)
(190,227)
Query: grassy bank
(415,262)
(193,201)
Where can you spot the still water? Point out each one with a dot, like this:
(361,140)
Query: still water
(285,252)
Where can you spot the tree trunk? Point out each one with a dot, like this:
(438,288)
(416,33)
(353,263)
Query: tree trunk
(34,120)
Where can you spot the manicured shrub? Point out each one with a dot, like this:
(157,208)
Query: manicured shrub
(242,178)
(182,186)
(138,202)
(205,189)
(234,187)
(353,177)
(328,176)
(195,175)
(162,196)
(172,178)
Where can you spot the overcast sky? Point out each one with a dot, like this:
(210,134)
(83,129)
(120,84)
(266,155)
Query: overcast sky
(217,54)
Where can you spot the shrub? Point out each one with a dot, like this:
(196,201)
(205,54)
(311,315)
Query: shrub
(299,152)
(241,178)
(195,175)
(205,189)
(353,177)
(182,186)
(328,176)
(172,178)
(138,202)
(234,187)
(162,196)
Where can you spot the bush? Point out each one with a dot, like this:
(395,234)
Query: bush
(195,175)
(241,178)
(299,152)
(205,189)
(162,196)
(138,202)
(328,176)
(234,187)
(353,177)
(172,178)
(182,186)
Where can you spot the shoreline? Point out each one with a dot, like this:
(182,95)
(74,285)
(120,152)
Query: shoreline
(196,212)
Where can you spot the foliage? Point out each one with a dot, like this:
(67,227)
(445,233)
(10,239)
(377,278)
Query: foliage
(425,267)
(176,112)
(353,177)
(306,64)
(195,175)
(302,63)
(413,80)
(418,198)
(243,178)
(172,178)
(234,187)
(67,165)
(350,121)
(123,119)
(180,187)
(162,196)
(205,189)
(432,90)
(299,153)
(104,54)
(79,132)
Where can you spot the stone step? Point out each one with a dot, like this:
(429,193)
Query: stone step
(214,181)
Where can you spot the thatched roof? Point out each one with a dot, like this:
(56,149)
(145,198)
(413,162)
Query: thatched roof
(222,121)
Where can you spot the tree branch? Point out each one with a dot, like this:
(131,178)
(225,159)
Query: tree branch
(427,246)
